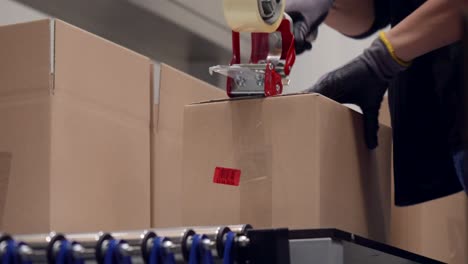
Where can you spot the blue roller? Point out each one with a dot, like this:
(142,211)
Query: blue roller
(158,254)
(65,254)
(228,258)
(198,253)
(11,255)
(113,254)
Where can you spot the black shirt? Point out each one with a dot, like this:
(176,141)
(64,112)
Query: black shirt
(425,107)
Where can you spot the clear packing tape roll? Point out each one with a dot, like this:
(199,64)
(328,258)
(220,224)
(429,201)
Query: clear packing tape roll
(245,16)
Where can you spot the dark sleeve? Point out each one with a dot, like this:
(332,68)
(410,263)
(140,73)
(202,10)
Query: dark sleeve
(381,18)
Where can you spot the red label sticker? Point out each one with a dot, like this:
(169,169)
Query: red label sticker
(227,176)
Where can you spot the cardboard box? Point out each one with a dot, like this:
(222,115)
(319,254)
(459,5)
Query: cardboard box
(384,113)
(75,114)
(303,162)
(5,162)
(437,229)
(176,89)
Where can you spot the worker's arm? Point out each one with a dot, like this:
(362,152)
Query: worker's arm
(351,17)
(364,80)
(435,24)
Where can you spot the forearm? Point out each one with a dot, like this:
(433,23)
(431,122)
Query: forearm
(351,17)
(435,24)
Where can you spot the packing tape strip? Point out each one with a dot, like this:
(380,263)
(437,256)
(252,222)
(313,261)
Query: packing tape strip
(244,16)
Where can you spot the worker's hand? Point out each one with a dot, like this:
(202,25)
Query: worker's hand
(301,33)
(307,15)
(363,82)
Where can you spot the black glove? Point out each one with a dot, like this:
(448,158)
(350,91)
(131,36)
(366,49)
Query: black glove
(307,15)
(301,33)
(363,82)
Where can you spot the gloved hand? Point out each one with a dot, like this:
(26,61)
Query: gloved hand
(363,82)
(307,15)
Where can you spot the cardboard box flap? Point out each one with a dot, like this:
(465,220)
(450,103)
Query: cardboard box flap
(248,98)
(178,89)
(26,49)
(268,98)
(96,70)
(316,95)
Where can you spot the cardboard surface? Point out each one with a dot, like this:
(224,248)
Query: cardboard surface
(384,114)
(25,111)
(444,229)
(303,160)
(5,164)
(176,89)
(79,138)
(25,59)
(437,229)
(104,91)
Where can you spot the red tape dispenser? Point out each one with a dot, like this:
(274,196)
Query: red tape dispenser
(272,48)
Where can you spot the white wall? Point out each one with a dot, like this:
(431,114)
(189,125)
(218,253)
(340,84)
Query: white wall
(330,51)
(13,12)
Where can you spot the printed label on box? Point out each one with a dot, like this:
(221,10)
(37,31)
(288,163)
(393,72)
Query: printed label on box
(227,176)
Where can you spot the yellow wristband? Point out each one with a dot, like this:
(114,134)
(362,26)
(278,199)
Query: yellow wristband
(390,49)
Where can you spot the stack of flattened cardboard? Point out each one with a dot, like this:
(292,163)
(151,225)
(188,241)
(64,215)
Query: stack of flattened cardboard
(82,139)
(302,163)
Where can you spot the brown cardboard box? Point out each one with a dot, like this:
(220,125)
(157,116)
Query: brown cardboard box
(303,164)
(437,229)
(75,115)
(384,114)
(5,162)
(176,90)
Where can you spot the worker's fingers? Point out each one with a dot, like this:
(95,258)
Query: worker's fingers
(302,47)
(301,42)
(355,83)
(330,85)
